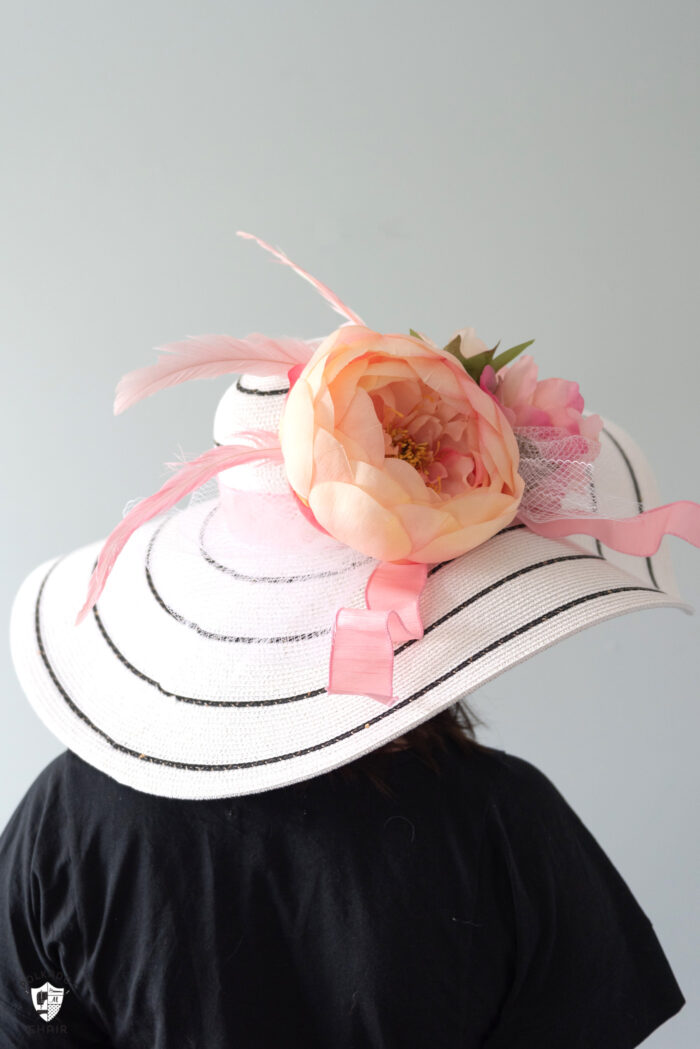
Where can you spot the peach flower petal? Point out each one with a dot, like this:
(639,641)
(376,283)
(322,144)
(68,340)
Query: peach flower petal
(480,504)
(325,411)
(382,371)
(410,480)
(453,544)
(378,417)
(361,426)
(379,484)
(502,451)
(423,523)
(355,518)
(296,432)
(342,388)
(330,458)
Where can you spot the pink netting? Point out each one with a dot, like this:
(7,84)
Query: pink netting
(567,475)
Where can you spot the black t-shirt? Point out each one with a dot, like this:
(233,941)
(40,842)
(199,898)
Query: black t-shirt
(472,910)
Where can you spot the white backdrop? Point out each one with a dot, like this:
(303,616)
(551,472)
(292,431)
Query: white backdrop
(528,169)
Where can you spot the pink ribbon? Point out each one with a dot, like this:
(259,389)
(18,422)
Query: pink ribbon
(362,647)
(639,535)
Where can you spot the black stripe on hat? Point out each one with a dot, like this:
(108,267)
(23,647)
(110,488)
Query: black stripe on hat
(316,692)
(594,500)
(260,393)
(191,766)
(210,634)
(213,636)
(637,492)
(264,578)
(191,699)
(312,575)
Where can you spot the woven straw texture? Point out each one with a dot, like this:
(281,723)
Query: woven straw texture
(202,671)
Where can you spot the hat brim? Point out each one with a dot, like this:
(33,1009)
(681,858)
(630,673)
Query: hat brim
(166,693)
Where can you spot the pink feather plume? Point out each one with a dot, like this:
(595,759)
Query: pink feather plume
(188,477)
(207,357)
(327,294)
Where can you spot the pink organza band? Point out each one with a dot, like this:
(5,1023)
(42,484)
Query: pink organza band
(267,519)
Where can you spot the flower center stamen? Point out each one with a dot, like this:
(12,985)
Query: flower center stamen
(415,453)
(418,454)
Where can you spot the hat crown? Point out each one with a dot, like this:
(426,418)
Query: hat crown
(252,402)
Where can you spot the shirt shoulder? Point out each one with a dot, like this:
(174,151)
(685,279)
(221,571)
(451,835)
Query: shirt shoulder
(66,794)
(511,781)
(39,925)
(34,825)
(586,968)
(506,788)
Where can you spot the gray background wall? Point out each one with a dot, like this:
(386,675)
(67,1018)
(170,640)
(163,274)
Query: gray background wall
(529,169)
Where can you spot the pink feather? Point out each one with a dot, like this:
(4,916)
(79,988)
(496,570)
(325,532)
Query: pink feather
(208,356)
(327,294)
(188,477)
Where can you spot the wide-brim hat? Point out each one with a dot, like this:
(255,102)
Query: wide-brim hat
(202,670)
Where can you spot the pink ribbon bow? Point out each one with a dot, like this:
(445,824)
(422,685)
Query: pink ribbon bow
(362,647)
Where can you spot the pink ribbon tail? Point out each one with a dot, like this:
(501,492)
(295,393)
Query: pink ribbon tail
(362,647)
(640,535)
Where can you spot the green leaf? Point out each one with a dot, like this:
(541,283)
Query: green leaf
(472,365)
(453,347)
(476,364)
(509,355)
(415,334)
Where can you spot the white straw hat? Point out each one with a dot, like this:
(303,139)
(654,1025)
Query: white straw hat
(203,668)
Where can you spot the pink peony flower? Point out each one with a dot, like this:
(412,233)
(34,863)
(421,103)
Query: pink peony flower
(547,402)
(396,451)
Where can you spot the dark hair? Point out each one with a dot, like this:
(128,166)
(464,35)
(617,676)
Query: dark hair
(456,724)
